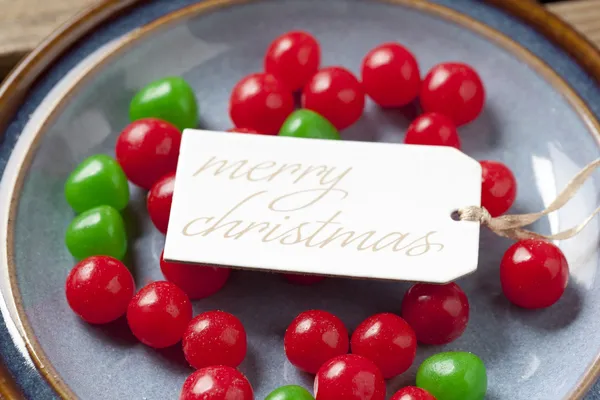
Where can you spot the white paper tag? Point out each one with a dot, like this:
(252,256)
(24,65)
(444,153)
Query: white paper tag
(343,208)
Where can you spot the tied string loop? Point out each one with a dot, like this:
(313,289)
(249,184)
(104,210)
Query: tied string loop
(512,226)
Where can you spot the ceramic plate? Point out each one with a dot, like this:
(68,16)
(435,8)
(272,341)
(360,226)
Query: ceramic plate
(540,119)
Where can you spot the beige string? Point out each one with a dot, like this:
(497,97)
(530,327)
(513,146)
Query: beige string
(511,226)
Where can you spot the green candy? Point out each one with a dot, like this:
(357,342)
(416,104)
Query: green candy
(290,392)
(308,124)
(98,180)
(170,99)
(97,232)
(453,375)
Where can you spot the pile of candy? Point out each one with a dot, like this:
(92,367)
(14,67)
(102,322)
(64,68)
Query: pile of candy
(100,288)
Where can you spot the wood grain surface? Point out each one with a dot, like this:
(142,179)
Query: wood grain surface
(24,23)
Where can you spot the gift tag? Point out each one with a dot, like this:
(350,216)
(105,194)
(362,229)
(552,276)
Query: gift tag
(342,208)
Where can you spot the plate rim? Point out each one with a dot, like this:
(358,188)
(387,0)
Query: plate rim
(14,89)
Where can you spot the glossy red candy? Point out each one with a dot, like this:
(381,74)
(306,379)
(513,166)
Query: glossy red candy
(197,281)
(293,58)
(390,75)
(147,150)
(454,90)
(217,383)
(214,338)
(336,94)
(534,273)
(260,102)
(433,129)
(244,130)
(314,337)
(349,377)
(99,288)
(412,393)
(438,313)
(498,187)
(159,314)
(302,279)
(388,341)
(158,201)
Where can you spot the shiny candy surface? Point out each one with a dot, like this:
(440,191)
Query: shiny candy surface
(99,288)
(432,129)
(147,150)
(216,383)
(159,314)
(534,273)
(98,180)
(412,393)
(453,376)
(314,337)
(214,338)
(290,392)
(308,124)
(498,187)
(349,377)
(170,99)
(388,341)
(99,231)
(438,313)
(158,201)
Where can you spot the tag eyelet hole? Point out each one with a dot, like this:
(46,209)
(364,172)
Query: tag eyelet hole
(455,215)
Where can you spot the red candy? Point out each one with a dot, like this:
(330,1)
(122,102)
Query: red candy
(314,337)
(214,338)
(159,314)
(99,288)
(390,75)
(147,150)
(159,201)
(197,281)
(260,102)
(534,273)
(217,383)
(498,187)
(293,58)
(301,279)
(438,313)
(388,341)
(455,90)
(244,130)
(412,393)
(336,94)
(433,129)
(349,377)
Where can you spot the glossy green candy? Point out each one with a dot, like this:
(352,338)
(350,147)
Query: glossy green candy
(170,99)
(290,392)
(308,124)
(97,232)
(453,375)
(98,180)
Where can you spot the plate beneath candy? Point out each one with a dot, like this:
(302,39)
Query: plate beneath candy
(540,119)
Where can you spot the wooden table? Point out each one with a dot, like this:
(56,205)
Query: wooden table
(24,23)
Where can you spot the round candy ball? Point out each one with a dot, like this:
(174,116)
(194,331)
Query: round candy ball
(99,288)
(433,129)
(147,150)
(169,99)
(390,75)
(498,187)
(438,313)
(388,341)
(290,392)
(98,180)
(412,393)
(260,102)
(453,376)
(214,338)
(159,314)
(314,337)
(336,94)
(217,383)
(534,273)
(197,281)
(308,124)
(244,130)
(349,377)
(454,90)
(293,58)
(159,200)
